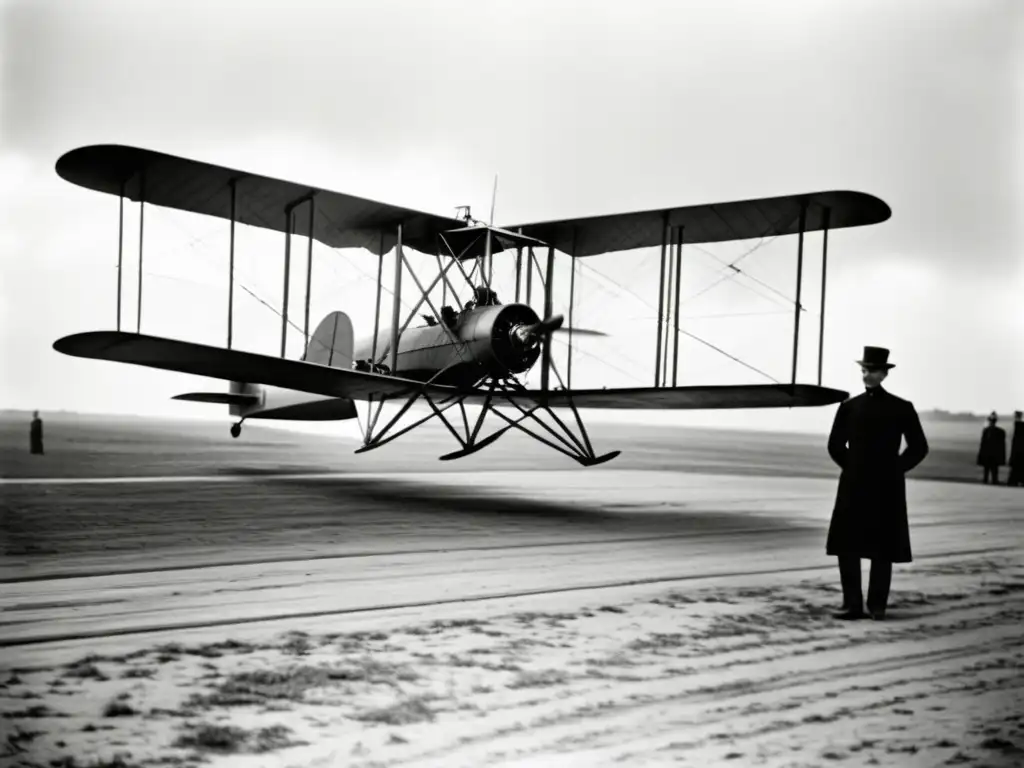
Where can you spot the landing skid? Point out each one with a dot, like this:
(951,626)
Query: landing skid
(499,393)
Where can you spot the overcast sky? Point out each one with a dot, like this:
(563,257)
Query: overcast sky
(580,108)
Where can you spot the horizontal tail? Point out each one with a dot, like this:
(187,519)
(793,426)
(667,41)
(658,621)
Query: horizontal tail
(221,398)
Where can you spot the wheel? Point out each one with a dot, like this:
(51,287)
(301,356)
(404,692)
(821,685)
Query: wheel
(236,429)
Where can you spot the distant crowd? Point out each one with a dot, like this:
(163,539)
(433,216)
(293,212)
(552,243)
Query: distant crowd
(992,453)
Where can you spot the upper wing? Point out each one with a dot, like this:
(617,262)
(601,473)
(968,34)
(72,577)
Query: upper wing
(341,221)
(709,223)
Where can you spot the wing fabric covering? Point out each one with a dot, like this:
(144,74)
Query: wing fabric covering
(341,221)
(235,365)
(710,222)
(347,221)
(701,398)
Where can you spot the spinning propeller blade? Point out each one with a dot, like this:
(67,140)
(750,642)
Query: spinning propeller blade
(581,331)
(538,331)
(541,331)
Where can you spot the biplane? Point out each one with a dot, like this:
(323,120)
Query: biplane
(465,353)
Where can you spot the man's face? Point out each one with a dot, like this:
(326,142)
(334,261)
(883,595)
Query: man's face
(873,376)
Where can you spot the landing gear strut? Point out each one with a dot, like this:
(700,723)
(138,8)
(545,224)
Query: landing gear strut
(236,429)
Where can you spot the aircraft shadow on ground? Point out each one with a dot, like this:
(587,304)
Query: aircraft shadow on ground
(666,516)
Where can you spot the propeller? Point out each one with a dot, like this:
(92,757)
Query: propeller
(529,335)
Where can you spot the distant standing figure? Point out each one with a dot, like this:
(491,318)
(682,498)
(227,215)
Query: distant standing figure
(870,515)
(1016,461)
(992,453)
(35,434)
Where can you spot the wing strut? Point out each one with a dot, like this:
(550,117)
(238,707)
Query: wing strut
(142,218)
(309,267)
(397,306)
(824,267)
(661,304)
(120,252)
(799,283)
(289,225)
(675,313)
(548,299)
(231,259)
(572,292)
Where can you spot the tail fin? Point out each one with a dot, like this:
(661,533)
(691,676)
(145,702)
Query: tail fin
(332,342)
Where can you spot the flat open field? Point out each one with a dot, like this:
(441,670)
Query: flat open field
(276,600)
(97,446)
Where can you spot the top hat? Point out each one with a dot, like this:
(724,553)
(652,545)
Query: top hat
(876,357)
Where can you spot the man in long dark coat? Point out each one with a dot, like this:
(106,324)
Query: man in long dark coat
(1016,461)
(870,514)
(992,452)
(35,434)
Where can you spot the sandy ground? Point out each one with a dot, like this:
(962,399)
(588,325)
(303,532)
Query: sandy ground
(738,674)
(527,618)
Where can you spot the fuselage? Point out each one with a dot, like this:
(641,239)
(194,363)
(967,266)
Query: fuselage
(477,342)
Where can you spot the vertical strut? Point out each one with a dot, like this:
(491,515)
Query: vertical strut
(489,259)
(824,267)
(675,344)
(661,306)
(799,281)
(546,363)
(231,264)
(572,290)
(444,283)
(376,311)
(668,306)
(519,269)
(289,221)
(397,304)
(309,265)
(142,218)
(120,253)
(530,258)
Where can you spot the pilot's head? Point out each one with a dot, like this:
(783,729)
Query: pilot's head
(993,417)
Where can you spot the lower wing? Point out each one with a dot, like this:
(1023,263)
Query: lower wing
(235,365)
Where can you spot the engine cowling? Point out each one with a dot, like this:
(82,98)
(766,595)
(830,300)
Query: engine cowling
(491,342)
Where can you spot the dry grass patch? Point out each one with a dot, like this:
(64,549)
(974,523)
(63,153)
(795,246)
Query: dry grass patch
(267,685)
(232,739)
(412,710)
(540,678)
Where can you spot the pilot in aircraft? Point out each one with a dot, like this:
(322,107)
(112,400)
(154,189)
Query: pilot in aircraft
(483,297)
(449,316)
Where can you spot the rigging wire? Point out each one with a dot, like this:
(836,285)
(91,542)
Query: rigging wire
(693,335)
(195,241)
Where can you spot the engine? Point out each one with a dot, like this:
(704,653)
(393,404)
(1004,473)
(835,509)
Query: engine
(492,341)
